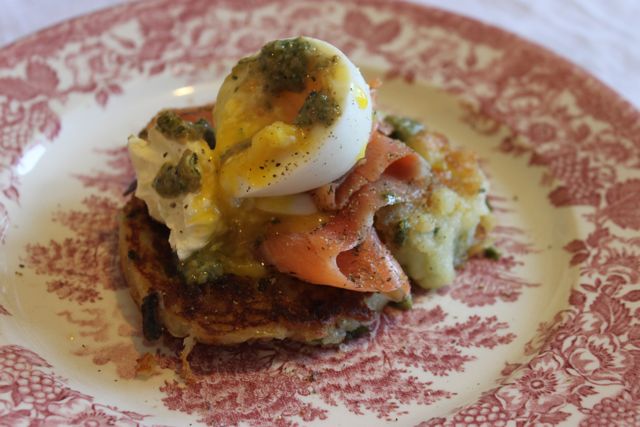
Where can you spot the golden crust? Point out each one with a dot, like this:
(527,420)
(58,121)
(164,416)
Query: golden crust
(231,310)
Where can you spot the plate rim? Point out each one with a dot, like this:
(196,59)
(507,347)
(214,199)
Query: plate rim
(623,108)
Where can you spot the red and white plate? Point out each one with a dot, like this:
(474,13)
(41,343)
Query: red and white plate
(548,335)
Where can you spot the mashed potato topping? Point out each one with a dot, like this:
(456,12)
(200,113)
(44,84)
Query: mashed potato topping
(430,239)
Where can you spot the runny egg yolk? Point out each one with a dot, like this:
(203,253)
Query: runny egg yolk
(290,119)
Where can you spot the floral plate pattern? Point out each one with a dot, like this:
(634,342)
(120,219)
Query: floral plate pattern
(550,334)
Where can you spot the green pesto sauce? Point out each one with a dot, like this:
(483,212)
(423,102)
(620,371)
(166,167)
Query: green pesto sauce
(173,126)
(357,332)
(201,267)
(175,180)
(285,64)
(404,128)
(405,304)
(491,253)
(319,108)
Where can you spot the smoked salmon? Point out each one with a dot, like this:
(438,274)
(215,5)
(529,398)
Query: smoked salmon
(345,251)
(383,155)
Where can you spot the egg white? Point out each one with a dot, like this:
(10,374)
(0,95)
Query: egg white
(331,150)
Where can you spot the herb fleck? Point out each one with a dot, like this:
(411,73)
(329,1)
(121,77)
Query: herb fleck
(404,128)
(491,253)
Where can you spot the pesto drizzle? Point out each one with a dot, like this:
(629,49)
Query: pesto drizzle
(175,180)
(201,267)
(285,64)
(173,126)
(319,107)
(404,128)
(491,253)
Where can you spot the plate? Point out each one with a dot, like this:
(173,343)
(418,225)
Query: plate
(549,334)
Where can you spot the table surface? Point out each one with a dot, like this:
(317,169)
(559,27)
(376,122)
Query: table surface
(601,36)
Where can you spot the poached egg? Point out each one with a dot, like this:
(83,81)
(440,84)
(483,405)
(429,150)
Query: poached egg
(307,129)
(293,117)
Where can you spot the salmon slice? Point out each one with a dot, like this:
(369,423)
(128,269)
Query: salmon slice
(372,262)
(346,252)
(312,255)
(383,155)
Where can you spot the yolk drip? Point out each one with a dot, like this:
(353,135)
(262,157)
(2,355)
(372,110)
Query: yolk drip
(361,98)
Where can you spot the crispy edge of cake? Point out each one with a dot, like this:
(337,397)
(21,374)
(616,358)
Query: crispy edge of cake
(233,310)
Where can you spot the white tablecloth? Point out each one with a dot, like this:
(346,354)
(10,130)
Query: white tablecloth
(602,36)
